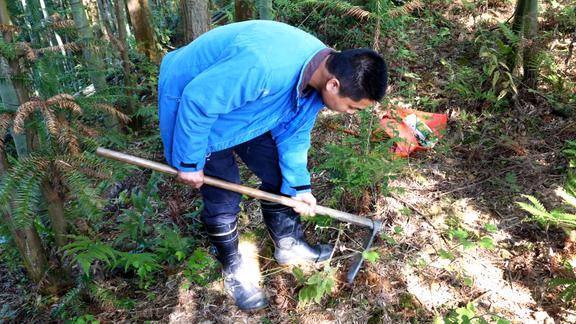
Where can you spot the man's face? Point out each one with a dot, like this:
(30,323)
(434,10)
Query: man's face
(335,102)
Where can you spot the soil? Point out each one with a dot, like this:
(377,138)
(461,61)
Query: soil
(472,178)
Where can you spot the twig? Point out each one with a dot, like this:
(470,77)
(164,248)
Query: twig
(570,48)
(473,183)
(335,244)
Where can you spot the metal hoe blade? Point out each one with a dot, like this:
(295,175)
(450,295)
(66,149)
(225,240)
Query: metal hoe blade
(359,258)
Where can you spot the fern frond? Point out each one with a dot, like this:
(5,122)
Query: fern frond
(405,9)
(87,161)
(65,101)
(71,301)
(85,251)
(24,110)
(49,119)
(534,211)
(341,7)
(8,28)
(86,198)
(537,204)
(72,47)
(59,23)
(7,50)
(508,33)
(113,111)
(541,58)
(5,121)
(568,198)
(28,51)
(67,139)
(27,198)
(18,175)
(87,130)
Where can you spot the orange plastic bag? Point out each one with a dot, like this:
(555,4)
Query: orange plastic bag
(416,130)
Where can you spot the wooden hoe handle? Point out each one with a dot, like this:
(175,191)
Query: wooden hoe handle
(255,193)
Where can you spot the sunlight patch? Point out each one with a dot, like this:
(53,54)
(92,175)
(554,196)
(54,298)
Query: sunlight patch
(431,294)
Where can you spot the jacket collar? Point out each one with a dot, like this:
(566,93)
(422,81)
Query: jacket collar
(311,65)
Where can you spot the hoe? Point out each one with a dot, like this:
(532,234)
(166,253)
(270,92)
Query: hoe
(374,225)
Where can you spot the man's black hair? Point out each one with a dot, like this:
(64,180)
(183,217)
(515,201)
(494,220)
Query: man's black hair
(362,73)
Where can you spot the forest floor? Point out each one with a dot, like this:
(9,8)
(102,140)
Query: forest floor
(468,183)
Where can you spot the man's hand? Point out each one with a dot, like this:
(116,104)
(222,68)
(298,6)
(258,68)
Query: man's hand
(195,179)
(310,200)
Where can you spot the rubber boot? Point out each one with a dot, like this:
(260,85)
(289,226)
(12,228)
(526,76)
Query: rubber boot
(246,294)
(285,228)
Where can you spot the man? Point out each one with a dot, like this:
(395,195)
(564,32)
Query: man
(254,88)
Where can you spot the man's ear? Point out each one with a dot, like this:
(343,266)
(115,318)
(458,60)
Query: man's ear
(333,86)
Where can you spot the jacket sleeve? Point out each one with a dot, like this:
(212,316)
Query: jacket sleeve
(293,158)
(222,88)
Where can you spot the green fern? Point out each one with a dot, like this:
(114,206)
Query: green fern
(569,292)
(316,286)
(7,50)
(85,251)
(86,201)
(20,189)
(107,298)
(70,304)
(171,246)
(545,217)
(201,268)
(144,264)
(27,199)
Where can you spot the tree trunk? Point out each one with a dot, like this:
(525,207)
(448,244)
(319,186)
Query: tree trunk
(120,11)
(243,10)
(194,17)
(529,59)
(28,244)
(265,11)
(140,18)
(55,205)
(107,19)
(517,28)
(93,62)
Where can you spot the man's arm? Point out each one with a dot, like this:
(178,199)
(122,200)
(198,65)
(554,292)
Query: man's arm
(293,159)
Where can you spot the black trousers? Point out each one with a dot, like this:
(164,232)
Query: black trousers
(260,155)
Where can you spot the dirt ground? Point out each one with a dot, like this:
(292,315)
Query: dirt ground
(470,180)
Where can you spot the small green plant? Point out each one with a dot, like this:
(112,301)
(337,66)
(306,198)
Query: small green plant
(371,255)
(84,319)
(494,82)
(468,315)
(144,264)
(469,240)
(171,246)
(85,251)
(569,291)
(561,217)
(133,221)
(358,163)
(462,236)
(558,216)
(316,286)
(201,268)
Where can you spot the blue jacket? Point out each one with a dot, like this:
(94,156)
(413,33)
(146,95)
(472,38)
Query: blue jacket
(234,83)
